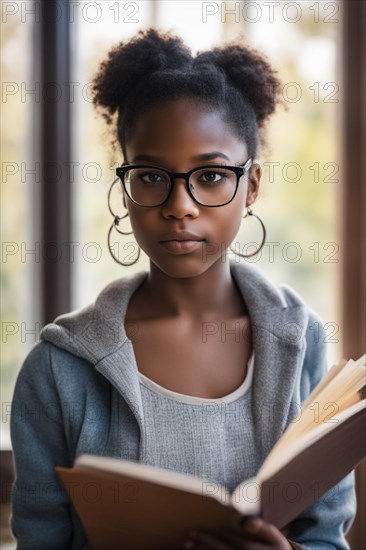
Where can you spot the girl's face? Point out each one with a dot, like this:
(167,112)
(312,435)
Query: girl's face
(172,135)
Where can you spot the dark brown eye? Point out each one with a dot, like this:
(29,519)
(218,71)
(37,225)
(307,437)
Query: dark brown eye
(211,177)
(151,177)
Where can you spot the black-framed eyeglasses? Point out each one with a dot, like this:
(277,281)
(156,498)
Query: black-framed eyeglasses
(210,185)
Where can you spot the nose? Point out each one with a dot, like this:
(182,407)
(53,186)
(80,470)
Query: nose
(180,203)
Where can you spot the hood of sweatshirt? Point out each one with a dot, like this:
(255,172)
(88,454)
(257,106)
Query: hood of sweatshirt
(279,320)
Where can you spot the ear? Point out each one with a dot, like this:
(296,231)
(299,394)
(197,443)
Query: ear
(255,174)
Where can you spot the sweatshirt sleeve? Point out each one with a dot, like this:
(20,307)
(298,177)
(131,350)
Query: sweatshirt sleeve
(325,523)
(41,515)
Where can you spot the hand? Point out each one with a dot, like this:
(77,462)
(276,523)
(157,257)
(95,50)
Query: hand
(255,534)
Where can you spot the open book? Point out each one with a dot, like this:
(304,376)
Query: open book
(152,508)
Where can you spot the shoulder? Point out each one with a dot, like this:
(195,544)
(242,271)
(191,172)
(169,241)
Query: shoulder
(260,290)
(49,370)
(315,325)
(95,330)
(44,356)
(280,309)
(61,389)
(315,358)
(275,301)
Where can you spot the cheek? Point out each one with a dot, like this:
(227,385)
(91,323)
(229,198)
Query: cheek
(143,221)
(229,217)
(223,224)
(237,213)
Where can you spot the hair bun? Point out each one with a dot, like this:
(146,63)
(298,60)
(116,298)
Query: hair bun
(129,62)
(250,72)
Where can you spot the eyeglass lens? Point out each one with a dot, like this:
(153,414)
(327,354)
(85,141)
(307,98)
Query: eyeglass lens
(210,186)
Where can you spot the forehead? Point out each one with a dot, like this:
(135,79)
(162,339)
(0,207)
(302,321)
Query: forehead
(183,126)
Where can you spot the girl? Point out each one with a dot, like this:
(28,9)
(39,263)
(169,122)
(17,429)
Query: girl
(186,366)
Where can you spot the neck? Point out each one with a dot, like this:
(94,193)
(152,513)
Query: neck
(210,295)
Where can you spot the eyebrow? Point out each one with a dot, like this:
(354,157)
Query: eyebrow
(197,158)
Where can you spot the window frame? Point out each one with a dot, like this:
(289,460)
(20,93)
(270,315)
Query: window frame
(351,209)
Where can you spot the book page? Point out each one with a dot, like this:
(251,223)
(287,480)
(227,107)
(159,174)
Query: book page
(246,497)
(332,372)
(338,390)
(273,464)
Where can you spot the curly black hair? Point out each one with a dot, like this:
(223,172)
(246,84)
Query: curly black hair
(155,66)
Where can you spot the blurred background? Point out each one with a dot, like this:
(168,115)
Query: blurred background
(58,163)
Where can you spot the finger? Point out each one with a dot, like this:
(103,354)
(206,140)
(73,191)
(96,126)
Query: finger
(245,541)
(202,539)
(238,540)
(200,546)
(246,534)
(243,545)
(286,529)
(258,546)
(266,532)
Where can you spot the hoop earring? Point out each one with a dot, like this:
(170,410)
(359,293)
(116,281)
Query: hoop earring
(117,219)
(115,224)
(251,213)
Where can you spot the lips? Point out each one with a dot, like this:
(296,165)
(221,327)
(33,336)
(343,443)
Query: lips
(181,247)
(181,242)
(181,236)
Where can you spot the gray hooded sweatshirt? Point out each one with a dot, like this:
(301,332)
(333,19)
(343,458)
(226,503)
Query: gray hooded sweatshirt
(79,391)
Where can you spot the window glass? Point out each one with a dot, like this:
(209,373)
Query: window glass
(301,172)
(19,184)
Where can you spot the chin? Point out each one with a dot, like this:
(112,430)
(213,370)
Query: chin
(182,267)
